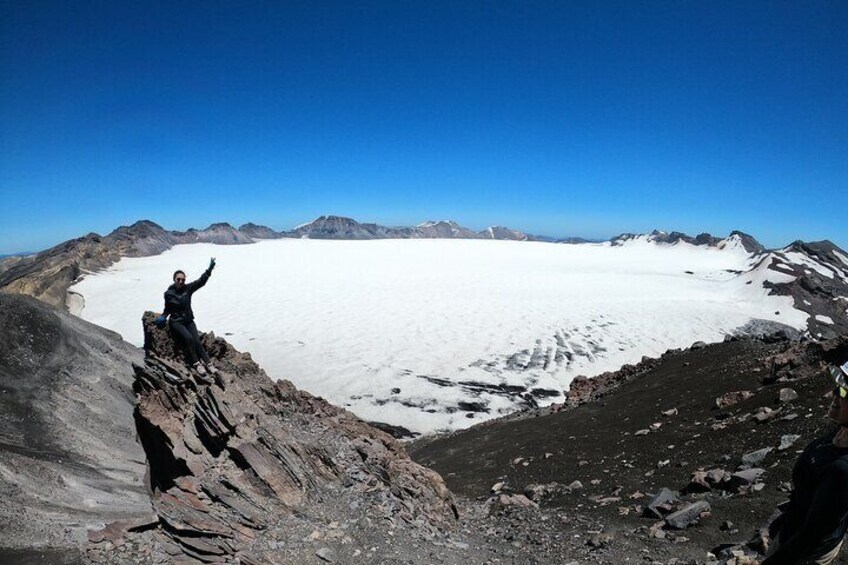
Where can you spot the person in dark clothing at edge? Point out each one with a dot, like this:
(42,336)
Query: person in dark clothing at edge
(810,528)
(178,308)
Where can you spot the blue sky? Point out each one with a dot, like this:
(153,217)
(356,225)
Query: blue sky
(557,118)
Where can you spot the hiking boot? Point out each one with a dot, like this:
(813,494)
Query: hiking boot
(199,368)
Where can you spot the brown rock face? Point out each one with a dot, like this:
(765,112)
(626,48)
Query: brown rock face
(240,463)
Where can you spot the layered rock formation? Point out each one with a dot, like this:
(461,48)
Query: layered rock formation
(244,467)
(69,460)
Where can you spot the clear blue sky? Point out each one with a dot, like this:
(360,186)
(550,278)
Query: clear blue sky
(559,118)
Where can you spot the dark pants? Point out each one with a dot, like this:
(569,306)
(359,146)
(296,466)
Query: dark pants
(187,335)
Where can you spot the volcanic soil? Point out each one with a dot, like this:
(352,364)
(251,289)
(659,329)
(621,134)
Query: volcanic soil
(596,443)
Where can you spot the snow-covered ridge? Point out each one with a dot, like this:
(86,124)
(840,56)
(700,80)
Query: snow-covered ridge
(736,240)
(814,274)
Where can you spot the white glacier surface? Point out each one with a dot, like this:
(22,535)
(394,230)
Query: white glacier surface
(445,321)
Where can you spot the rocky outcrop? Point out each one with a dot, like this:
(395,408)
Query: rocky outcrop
(338,227)
(806,359)
(500,232)
(221,234)
(69,459)
(814,274)
(241,466)
(259,232)
(819,284)
(584,389)
(445,229)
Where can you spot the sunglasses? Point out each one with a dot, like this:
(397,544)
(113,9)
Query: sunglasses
(841,380)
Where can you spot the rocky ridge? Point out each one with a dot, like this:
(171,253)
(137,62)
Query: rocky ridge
(339,227)
(69,460)
(817,274)
(241,465)
(748,242)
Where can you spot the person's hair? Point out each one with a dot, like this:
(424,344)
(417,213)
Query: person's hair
(177,273)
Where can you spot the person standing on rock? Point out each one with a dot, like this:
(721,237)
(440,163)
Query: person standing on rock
(181,317)
(811,528)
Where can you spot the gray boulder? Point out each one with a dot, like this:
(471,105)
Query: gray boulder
(687,516)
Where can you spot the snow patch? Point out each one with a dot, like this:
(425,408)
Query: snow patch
(802,259)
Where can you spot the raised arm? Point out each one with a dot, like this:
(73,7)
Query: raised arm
(198,284)
(193,286)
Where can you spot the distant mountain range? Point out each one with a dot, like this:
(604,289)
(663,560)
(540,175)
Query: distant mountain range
(814,273)
(339,227)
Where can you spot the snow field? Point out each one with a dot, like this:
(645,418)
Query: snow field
(353,321)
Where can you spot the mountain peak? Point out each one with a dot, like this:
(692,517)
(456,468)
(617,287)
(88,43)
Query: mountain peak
(750,244)
(220,226)
(141,228)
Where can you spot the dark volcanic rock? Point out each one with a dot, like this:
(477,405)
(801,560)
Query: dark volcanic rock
(593,441)
(397,432)
(69,459)
(240,462)
(259,232)
(583,389)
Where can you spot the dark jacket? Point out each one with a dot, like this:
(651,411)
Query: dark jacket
(816,518)
(178,302)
